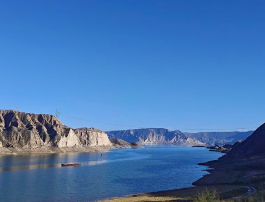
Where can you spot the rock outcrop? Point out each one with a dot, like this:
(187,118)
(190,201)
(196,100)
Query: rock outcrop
(123,144)
(92,137)
(120,143)
(32,132)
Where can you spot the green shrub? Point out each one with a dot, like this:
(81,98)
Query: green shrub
(208,196)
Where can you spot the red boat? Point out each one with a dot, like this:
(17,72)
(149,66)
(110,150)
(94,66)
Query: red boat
(71,164)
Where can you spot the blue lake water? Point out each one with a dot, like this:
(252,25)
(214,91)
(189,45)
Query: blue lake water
(119,172)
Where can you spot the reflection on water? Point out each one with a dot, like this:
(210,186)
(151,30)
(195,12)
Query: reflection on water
(68,158)
(29,167)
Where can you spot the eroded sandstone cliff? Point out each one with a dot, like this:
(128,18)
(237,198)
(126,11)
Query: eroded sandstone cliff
(32,132)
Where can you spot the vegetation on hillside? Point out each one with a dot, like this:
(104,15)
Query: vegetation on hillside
(212,196)
(208,196)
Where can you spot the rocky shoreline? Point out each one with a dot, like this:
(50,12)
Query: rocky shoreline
(52,150)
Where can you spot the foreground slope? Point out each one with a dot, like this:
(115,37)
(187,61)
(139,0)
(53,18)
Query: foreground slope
(244,164)
(252,146)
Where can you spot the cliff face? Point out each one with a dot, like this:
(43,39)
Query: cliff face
(161,136)
(29,131)
(92,137)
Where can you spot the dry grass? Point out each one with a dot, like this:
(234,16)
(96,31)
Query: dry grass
(202,194)
(149,199)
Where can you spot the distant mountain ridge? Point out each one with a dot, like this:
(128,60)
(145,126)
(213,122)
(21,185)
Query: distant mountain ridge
(154,136)
(162,136)
(219,138)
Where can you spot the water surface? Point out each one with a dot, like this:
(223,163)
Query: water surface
(119,172)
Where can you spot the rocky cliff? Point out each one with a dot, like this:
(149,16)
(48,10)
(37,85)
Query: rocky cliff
(161,136)
(30,132)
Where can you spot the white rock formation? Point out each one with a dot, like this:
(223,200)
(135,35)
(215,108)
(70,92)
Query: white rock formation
(92,137)
(70,140)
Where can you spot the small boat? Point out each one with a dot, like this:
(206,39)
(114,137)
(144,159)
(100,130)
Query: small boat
(71,164)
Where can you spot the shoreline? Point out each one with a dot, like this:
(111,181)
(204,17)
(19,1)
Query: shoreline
(79,149)
(53,150)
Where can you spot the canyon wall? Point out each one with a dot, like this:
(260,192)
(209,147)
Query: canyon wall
(26,131)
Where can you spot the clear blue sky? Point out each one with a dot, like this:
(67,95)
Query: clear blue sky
(178,64)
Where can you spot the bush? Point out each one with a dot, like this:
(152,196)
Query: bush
(208,196)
